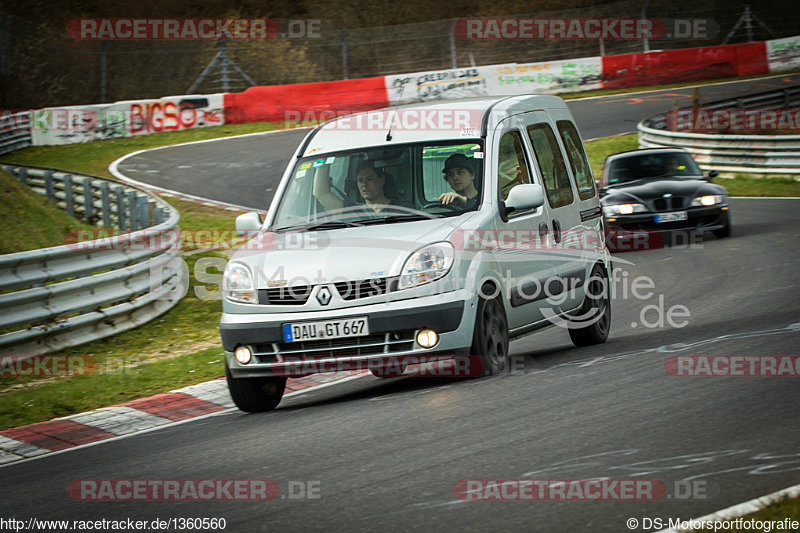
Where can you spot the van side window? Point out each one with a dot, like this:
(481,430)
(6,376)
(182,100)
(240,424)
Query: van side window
(577,159)
(551,164)
(512,166)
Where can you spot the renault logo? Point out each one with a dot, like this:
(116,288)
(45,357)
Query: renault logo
(324,296)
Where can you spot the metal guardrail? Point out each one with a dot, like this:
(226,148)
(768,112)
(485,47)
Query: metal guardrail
(758,154)
(66,295)
(15,131)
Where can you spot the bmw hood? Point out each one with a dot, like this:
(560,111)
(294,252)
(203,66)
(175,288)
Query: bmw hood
(646,190)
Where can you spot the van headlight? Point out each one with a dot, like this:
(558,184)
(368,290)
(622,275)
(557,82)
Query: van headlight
(708,200)
(623,209)
(427,264)
(237,284)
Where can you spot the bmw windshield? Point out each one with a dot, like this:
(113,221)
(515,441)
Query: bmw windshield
(382,185)
(653,166)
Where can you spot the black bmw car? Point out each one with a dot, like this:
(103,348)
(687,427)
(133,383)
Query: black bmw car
(661,190)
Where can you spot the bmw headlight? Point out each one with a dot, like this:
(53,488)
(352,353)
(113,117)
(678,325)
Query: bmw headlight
(427,264)
(708,200)
(237,284)
(623,209)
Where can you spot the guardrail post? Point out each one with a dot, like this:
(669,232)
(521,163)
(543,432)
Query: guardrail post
(68,195)
(143,219)
(151,212)
(48,186)
(88,200)
(119,191)
(105,204)
(23,175)
(134,220)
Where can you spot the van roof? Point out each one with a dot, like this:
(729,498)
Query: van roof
(432,121)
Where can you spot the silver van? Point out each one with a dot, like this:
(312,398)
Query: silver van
(415,235)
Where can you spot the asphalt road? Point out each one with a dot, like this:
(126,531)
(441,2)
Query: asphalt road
(246,170)
(386,454)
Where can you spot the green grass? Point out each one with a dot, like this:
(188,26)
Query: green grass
(737,185)
(65,396)
(777,512)
(37,223)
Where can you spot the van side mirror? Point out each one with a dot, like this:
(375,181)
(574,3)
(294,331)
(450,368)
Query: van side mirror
(712,174)
(523,197)
(248,224)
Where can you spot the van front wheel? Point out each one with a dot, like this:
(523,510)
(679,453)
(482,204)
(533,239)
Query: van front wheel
(490,338)
(590,325)
(255,395)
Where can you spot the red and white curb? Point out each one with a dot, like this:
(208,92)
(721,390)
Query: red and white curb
(137,416)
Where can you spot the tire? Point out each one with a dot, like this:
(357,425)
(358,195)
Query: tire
(590,325)
(388,372)
(724,231)
(255,395)
(490,337)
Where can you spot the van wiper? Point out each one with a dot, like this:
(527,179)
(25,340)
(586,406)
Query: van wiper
(393,218)
(331,224)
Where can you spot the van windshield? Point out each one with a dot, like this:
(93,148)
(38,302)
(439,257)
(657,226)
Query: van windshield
(382,185)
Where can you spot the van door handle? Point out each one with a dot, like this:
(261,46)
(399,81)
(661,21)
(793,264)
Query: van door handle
(543,232)
(557,230)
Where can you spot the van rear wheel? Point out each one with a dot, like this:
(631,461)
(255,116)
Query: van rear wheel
(255,395)
(590,325)
(490,337)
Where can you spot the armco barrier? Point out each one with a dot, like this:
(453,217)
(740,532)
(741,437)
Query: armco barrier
(66,295)
(760,154)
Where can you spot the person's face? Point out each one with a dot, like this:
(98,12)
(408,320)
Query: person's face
(370,185)
(459,178)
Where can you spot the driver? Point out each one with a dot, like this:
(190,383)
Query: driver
(370,181)
(459,174)
(676,165)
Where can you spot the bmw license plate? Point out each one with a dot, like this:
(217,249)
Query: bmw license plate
(326,329)
(671,217)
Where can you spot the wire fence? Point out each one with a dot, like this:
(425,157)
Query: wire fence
(41,65)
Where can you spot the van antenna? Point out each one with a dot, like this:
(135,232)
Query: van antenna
(399,99)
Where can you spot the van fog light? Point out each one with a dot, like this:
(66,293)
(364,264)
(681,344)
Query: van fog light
(243,354)
(427,338)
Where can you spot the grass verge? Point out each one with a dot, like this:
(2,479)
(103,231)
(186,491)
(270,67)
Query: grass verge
(39,223)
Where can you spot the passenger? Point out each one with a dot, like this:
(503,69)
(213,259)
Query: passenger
(460,176)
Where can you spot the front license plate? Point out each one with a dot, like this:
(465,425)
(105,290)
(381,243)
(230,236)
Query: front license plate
(327,329)
(671,217)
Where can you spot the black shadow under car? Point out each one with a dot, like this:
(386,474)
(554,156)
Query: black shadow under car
(658,193)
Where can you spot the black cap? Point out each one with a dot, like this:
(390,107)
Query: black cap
(458,160)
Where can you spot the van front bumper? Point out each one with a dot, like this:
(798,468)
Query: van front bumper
(391,341)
